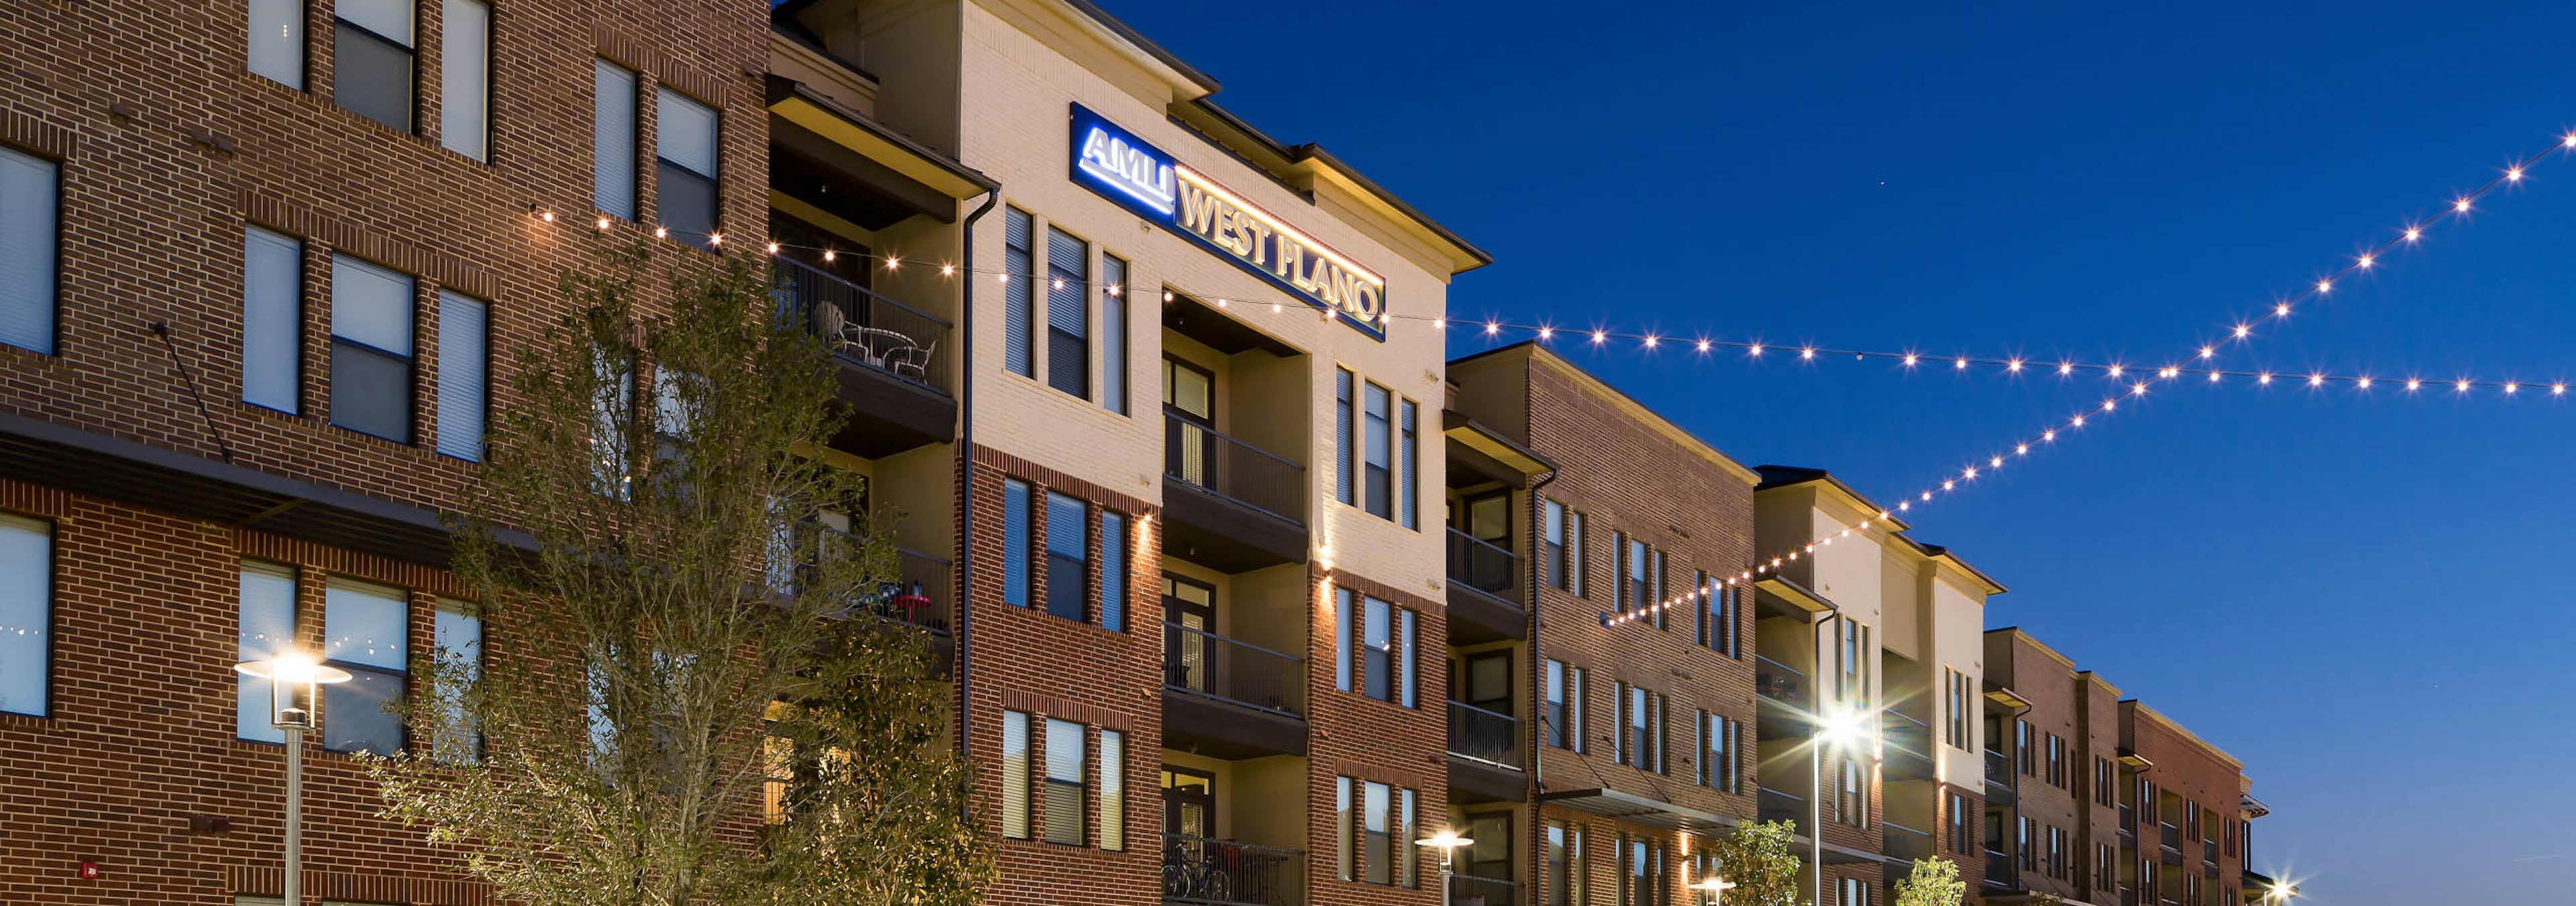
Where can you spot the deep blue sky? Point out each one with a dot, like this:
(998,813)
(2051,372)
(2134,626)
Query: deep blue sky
(2364,599)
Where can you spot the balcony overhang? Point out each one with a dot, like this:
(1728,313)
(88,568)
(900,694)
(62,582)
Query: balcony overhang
(1477,616)
(1201,725)
(889,414)
(1627,806)
(208,490)
(2131,759)
(885,176)
(1474,780)
(2003,695)
(1212,530)
(1202,322)
(1788,598)
(1477,450)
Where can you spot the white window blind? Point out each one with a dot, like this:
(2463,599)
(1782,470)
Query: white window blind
(272,318)
(267,628)
(28,231)
(276,41)
(463,366)
(26,614)
(612,168)
(465,78)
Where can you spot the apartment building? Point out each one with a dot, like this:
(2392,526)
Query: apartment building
(1860,625)
(1628,699)
(2189,804)
(2054,765)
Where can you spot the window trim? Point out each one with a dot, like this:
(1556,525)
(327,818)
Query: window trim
(48,536)
(53,290)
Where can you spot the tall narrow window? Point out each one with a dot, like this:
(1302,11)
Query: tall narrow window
(465,78)
(276,46)
(1113,790)
(1113,334)
(684,171)
(1851,800)
(371,358)
(1065,762)
(1377,649)
(26,615)
(272,319)
(1068,313)
(1017,311)
(1407,829)
(1579,551)
(1017,538)
(371,59)
(1343,455)
(1407,512)
(1343,650)
(459,635)
(1641,590)
(1553,711)
(1552,546)
(29,226)
(365,628)
(1113,571)
(1015,775)
(462,374)
(612,147)
(1377,471)
(1559,865)
(1068,545)
(267,629)
(1377,833)
(1385,650)
(1345,827)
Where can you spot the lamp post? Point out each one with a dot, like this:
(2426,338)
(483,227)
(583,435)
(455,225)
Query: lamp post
(1715,886)
(1448,841)
(1832,730)
(288,673)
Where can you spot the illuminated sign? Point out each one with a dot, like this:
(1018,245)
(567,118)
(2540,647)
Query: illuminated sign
(1140,177)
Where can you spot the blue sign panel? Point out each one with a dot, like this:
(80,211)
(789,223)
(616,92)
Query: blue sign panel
(1140,177)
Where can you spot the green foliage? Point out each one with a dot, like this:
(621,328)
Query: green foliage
(1757,858)
(1933,882)
(672,642)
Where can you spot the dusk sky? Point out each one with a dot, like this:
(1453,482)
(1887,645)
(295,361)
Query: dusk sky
(2362,595)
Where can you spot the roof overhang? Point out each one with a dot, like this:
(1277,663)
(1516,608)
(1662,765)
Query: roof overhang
(2131,758)
(1633,808)
(793,102)
(1794,596)
(1490,453)
(2003,695)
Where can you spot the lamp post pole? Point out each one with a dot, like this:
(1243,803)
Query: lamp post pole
(289,673)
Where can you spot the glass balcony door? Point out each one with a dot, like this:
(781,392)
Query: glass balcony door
(1187,658)
(1189,394)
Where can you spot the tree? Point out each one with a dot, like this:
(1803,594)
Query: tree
(1757,859)
(686,699)
(1933,882)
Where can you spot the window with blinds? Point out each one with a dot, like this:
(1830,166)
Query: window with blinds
(371,349)
(1068,313)
(463,372)
(30,194)
(272,319)
(612,158)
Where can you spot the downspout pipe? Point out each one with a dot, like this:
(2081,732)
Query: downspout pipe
(1537,847)
(966,484)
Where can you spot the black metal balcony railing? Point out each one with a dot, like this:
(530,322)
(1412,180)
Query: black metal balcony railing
(1484,566)
(1901,842)
(1777,681)
(2000,873)
(863,327)
(1999,768)
(2172,836)
(1232,469)
(925,581)
(1776,805)
(1484,735)
(1471,890)
(1231,873)
(1229,670)
(1903,731)
(2129,820)
(917,593)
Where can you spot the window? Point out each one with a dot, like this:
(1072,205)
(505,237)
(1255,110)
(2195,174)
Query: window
(2023,851)
(2104,791)
(1851,794)
(272,319)
(2106,867)
(2021,748)
(1017,313)
(1718,616)
(612,414)
(1564,859)
(1641,728)
(371,313)
(2056,760)
(1065,762)
(1376,844)
(1068,313)
(1851,682)
(1960,842)
(1017,540)
(1343,455)
(1015,775)
(1553,545)
(1113,334)
(465,78)
(365,628)
(613,137)
(2056,852)
(684,172)
(459,635)
(1563,713)
(266,629)
(1719,767)
(26,615)
(1068,557)
(276,41)
(463,371)
(1407,510)
(1641,566)
(1113,790)
(1383,649)
(1954,731)
(1641,883)
(1377,467)
(371,59)
(29,226)
(1853,891)
(1580,552)
(1113,571)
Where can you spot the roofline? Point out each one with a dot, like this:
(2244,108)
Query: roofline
(2094,677)
(1206,83)
(2042,646)
(1815,475)
(2143,708)
(1599,387)
(1310,151)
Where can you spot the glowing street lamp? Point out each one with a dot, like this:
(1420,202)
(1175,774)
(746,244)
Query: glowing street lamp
(1448,841)
(1715,886)
(289,673)
(1835,729)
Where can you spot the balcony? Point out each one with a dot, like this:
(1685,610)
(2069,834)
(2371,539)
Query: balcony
(1485,756)
(2000,874)
(1776,805)
(1999,779)
(2169,848)
(1228,504)
(1231,873)
(1900,842)
(1487,602)
(1782,690)
(1908,746)
(1470,890)
(1231,699)
(893,360)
